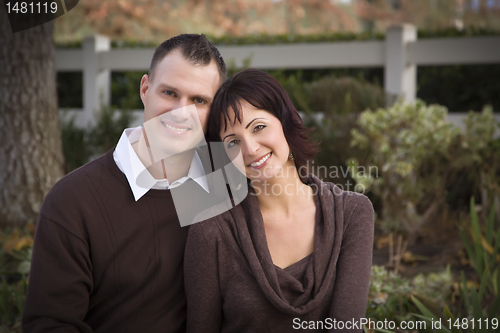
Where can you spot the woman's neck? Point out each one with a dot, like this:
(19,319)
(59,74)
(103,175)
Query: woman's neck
(283,193)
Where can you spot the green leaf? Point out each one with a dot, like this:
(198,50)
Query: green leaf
(430,320)
(476,231)
(485,281)
(426,312)
(464,294)
(495,308)
(449,315)
(476,304)
(489,225)
(468,248)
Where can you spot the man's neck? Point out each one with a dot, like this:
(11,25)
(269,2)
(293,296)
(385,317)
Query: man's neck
(171,167)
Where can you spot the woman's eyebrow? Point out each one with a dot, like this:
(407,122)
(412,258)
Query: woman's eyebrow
(227,136)
(252,122)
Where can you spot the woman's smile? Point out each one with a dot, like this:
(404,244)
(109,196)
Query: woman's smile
(261,161)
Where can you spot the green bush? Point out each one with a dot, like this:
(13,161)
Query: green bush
(418,154)
(125,90)
(345,95)
(482,156)
(15,261)
(390,294)
(80,145)
(341,101)
(481,304)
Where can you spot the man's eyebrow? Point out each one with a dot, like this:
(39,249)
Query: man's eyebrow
(166,86)
(204,97)
(227,136)
(252,122)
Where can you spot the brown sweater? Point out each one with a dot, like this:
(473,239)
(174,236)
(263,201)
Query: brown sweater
(103,262)
(232,284)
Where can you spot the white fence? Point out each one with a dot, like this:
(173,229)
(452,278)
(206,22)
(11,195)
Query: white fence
(400,54)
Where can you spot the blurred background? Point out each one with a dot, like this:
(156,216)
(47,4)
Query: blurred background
(427,152)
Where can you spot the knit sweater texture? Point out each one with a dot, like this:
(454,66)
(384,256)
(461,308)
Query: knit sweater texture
(103,262)
(232,284)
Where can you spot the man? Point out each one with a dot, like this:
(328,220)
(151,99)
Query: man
(109,247)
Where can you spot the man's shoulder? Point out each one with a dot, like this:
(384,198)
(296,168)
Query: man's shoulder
(79,186)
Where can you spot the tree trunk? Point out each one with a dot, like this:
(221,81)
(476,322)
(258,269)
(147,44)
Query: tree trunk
(31,158)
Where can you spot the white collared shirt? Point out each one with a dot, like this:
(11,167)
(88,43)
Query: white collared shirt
(129,163)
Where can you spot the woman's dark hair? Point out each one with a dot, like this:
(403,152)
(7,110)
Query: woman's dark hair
(264,92)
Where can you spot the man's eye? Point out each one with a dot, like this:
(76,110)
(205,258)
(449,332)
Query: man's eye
(169,92)
(259,128)
(199,101)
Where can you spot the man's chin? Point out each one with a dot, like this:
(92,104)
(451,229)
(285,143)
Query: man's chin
(173,153)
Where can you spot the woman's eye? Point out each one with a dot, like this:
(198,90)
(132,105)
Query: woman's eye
(232,143)
(199,100)
(259,128)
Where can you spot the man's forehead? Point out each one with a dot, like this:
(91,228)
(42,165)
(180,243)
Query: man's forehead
(176,67)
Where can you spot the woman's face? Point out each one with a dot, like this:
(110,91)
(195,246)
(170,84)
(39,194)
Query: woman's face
(260,139)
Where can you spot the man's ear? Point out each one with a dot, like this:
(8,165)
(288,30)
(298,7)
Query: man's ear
(145,83)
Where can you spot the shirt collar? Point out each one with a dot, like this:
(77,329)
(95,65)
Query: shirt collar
(136,173)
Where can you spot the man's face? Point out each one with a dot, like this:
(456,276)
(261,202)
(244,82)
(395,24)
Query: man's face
(177,102)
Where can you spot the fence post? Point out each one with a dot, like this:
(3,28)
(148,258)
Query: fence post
(400,76)
(96,81)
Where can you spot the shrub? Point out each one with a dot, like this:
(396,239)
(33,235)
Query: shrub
(15,261)
(390,294)
(482,156)
(82,144)
(481,305)
(412,147)
(341,100)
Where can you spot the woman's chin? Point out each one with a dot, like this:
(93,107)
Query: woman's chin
(265,174)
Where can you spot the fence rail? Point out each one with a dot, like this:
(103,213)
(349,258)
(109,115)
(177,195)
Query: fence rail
(400,54)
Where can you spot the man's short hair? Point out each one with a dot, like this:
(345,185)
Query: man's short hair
(195,48)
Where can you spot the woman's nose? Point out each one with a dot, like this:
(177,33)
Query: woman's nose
(250,147)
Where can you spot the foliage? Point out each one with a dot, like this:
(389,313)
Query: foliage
(81,144)
(418,154)
(411,148)
(269,39)
(482,303)
(341,100)
(297,87)
(345,95)
(12,298)
(125,90)
(450,86)
(390,294)
(15,251)
(106,132)
(483,253)
(15,261)
(70,89)
(482,150)
(74,141)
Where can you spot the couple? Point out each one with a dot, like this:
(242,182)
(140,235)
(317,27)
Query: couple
(110,254)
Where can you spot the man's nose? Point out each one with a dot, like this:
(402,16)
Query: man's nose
(181,113)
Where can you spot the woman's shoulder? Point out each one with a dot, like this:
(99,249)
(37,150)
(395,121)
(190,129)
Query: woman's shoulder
(356,206)
(212,227)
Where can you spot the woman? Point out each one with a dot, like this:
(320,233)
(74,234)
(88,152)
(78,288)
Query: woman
(296,253)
